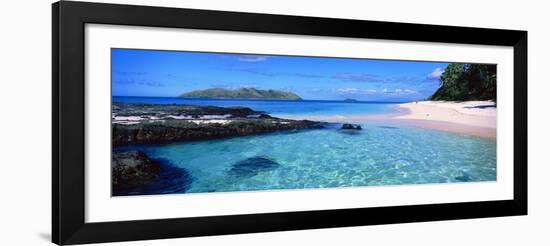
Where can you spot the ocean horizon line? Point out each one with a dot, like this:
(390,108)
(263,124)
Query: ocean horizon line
(346,100)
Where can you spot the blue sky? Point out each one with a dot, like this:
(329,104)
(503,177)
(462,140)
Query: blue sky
(170,73)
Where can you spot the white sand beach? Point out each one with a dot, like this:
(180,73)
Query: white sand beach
(474,113)
(477,118)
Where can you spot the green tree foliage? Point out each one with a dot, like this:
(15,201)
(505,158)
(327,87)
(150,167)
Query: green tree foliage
(463,82)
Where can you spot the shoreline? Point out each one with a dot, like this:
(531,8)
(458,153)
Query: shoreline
(146,122)
(475,118)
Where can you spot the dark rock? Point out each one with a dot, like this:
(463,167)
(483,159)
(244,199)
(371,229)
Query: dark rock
(351,127)
(133,173)
(162,110)
(133,168)
(238,111)
(465,177)
(165,128)
(251,166)
(183,130)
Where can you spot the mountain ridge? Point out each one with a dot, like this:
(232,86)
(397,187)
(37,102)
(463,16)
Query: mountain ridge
(242,93)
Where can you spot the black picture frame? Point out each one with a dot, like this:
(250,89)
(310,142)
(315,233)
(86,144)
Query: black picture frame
(68,172)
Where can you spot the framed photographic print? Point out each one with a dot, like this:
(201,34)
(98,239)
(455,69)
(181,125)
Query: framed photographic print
(176,122)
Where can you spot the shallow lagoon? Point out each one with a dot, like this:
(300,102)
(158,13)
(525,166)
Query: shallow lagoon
(377,155)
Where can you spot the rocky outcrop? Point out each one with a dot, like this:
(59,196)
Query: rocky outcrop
(182,130)
(179,110)
(134,173)
(351,127)
(146,124)
(133,168)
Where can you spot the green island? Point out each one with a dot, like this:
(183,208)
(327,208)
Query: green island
(242,93)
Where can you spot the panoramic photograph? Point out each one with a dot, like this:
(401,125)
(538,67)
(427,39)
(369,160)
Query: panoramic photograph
(201,122)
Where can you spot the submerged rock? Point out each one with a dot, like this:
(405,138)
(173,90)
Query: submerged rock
(134,173)
(252,166)
(465,177)
(351,127)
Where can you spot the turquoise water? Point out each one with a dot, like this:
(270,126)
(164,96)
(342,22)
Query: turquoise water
(276,107)
(377,155)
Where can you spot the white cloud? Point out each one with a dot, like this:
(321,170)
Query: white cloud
(356,91)
(252,58)
(348,90)
(405,91)
(357,77)
(435,74)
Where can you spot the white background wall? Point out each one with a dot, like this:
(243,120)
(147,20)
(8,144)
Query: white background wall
(25,57)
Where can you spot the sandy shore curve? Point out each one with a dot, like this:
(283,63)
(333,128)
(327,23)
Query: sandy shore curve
(475,118)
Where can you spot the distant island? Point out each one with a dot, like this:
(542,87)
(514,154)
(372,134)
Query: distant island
(350,100)
(242,93)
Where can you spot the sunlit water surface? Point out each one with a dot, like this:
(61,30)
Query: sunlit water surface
(376,155)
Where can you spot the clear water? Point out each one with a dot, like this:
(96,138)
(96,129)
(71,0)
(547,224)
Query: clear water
(377,155)
(277,107)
